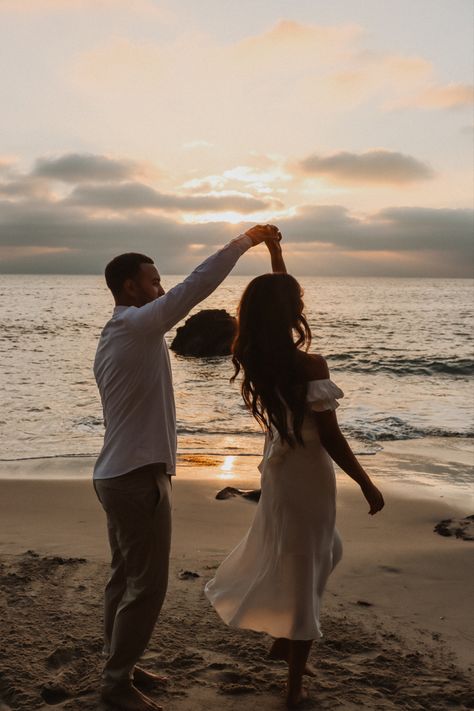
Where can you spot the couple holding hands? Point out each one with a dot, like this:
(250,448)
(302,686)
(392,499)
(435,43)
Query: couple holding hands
(274,579)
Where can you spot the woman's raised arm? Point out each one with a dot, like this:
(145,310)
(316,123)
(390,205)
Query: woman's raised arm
(278,263)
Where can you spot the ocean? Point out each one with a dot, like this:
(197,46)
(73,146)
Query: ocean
(400,349)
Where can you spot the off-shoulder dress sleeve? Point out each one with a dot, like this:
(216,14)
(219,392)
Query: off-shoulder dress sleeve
(323,395)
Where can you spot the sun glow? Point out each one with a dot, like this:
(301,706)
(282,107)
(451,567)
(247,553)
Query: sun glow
(236,218)
(227,468)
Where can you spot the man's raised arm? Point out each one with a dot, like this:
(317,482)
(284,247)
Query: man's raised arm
(166,311)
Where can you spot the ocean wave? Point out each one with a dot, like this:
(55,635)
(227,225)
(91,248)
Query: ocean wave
(385,428)
(395,428)
(397,365)
(380,429)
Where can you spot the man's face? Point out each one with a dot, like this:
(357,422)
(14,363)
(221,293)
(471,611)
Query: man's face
(146,286)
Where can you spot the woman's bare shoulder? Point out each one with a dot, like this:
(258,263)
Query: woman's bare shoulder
(314,366)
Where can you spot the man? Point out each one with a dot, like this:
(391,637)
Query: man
(132,475)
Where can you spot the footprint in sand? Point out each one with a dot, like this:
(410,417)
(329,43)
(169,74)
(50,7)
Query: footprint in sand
(390,569)
(60,657)
(234,689)
(184,660)
(54,694)
(235,683)
(219,666)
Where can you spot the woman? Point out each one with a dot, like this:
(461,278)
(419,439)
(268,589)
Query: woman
(273,580)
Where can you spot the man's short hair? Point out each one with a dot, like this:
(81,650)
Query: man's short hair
(125,266)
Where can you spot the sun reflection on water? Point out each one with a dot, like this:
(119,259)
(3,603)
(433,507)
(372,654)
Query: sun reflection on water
(226,470)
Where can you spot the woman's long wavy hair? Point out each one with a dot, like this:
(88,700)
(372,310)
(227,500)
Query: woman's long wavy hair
(271,329)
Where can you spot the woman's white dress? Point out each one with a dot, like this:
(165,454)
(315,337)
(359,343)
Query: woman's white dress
(274,578)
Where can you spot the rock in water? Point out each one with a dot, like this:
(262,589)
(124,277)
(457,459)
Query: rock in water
(208,333)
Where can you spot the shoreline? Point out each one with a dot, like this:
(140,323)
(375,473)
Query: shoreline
(427,468)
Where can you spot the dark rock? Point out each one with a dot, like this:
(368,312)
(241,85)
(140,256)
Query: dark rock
(208,333)
(230,491)
(187,575)
(458,527)
(31,554)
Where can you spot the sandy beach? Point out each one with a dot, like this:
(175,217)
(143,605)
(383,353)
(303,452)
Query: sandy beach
(396,618)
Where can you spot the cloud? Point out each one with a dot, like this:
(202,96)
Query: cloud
(288,42)
(83,167)
(263,181)
(100,182)
(372,167)
(437,96)
(7,164)
(136,196)
(413,228)
(318,239)
(365,75)
(394,229)
(242,94)
(78,229)
(193,84)
(17,185)
(195,61)
(52,238)
(25,187)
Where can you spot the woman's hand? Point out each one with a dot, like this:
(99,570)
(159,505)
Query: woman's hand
(274,244)
(374,497)
(276,254)
(271,235)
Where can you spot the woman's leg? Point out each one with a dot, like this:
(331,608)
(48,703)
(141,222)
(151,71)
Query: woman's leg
(280,650)
(297,658)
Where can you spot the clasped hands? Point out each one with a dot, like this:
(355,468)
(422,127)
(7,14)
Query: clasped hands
(270,234)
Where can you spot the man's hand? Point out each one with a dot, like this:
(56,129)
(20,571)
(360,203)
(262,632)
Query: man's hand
(264,233)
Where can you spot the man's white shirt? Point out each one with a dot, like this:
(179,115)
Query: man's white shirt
(133,371)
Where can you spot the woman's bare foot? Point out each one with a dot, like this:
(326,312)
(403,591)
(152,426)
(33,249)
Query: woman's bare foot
(280,650)
(145,679)
(128,698)
(294,700)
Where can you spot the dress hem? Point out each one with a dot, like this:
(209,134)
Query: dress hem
(264,630)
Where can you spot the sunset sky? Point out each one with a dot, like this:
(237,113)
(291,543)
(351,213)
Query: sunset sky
(169,127)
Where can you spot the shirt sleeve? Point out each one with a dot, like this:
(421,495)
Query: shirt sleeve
(165,312)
